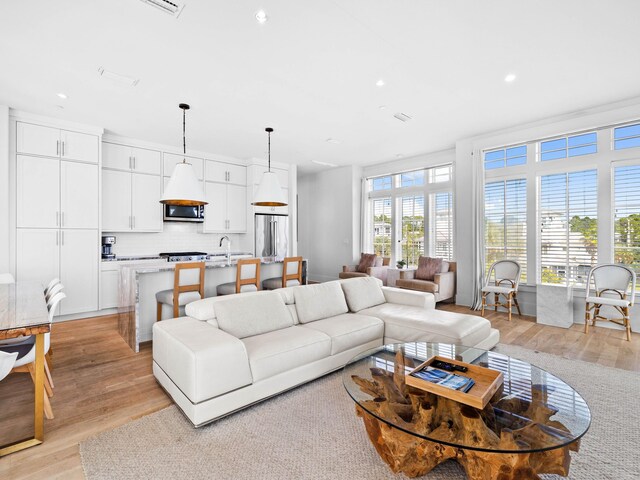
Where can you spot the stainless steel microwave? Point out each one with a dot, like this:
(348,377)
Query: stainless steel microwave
(183,213)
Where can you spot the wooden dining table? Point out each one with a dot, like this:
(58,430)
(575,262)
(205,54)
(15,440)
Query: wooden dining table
(23,311)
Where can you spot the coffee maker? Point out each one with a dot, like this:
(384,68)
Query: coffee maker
(107,244)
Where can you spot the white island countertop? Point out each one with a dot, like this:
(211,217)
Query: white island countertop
(141,280)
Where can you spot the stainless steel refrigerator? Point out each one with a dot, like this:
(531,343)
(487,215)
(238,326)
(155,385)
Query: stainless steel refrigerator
(272,235)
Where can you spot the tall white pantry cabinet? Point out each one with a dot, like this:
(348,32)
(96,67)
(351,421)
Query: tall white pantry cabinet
(57,210)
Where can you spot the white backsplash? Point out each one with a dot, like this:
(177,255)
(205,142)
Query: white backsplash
(177,237)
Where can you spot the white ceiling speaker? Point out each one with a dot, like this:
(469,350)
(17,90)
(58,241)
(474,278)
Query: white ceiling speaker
(116,77)
(183,187)
(172,8)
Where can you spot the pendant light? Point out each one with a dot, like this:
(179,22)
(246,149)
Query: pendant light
(269,193)
(183,187)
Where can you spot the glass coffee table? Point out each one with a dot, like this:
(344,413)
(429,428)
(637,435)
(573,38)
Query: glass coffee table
(527,428)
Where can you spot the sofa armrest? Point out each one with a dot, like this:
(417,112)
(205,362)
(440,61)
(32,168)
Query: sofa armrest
(378,272)
(409,297)
(407,274)
(349,268)
(446,284)
(201,360)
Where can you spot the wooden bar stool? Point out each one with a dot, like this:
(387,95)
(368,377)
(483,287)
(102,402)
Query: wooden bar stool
(291,275)
(247,278)
(180,295)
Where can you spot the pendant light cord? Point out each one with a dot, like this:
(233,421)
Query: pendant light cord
(184,135)
(269,151)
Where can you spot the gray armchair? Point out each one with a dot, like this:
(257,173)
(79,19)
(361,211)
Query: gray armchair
(443,285)
(379,270)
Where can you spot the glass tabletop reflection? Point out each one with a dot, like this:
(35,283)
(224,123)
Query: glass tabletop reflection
(533,410)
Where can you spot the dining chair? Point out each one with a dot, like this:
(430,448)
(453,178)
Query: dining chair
(7,361)
(25,362)
(247,278)
(52,283)
(58,287)
(615,287)
(503,280)
(181,294)
(291,275)
(7,278)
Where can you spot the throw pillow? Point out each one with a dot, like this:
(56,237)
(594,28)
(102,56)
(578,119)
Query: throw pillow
(428,267)
(362,293)
(367,260)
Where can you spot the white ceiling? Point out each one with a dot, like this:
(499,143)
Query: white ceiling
(310,71)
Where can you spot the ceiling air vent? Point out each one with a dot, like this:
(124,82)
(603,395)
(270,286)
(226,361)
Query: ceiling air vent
(402,117)
(172,8)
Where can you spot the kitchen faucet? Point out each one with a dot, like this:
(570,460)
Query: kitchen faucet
(228,255)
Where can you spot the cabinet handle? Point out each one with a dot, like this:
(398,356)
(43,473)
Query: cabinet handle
(130,163)
(62,220)
(57,147)
(134,163)
(129,221)
(57,219)
(57,238)
(63,156)
(133,225)
(63,237)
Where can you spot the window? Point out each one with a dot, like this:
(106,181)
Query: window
(506,222)
(381,183)
(382,226)
(412,236)
(442,225)
(626,137)
(505,157)
(411,214)
(583,144)
(568,227)
(411,179)
(626,217)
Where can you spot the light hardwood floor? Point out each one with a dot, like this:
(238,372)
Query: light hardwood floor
(101,384)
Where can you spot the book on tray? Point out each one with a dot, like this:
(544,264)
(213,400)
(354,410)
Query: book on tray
(444,379)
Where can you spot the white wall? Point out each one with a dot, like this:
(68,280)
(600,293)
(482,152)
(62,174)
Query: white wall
(5,264)
(329,220)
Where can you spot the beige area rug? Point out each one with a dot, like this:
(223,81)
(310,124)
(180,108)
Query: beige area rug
(312,433)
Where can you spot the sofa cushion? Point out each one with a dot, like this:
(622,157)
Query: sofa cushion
(349,330)
(283,350)
(410,324)
(203,361)
(362,293)
(321,300)
(246,315)
(367,260)
(420,285)
(428,267)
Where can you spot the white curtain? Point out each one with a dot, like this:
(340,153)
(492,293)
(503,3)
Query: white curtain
(366,242)
(477,228)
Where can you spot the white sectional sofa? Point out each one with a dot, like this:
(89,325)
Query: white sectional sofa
(236,350)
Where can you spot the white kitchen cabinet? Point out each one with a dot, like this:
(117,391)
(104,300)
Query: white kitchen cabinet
(71,255)
(37,255)
(146,209)
(38,192)
(109,278)
(225,172)
(171,160)
(78,198)
(79,259)
(227,208)
(134,159)
(52,142)
(116,201)
(131,202)
(79,146)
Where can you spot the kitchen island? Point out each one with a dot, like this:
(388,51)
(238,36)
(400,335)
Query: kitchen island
(140,281)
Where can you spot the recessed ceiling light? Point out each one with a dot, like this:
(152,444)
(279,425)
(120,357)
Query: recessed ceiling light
(261,16)
(382,107)
(116,77)
(380,83)
(510,78)
(62,95)
(332,140)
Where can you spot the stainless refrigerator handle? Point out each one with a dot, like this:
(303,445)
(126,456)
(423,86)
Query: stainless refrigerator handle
(275,240)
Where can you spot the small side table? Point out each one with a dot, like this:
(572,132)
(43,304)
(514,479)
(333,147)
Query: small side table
(393,274)
(554,305)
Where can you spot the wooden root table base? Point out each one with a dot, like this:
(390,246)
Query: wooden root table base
(445,420)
